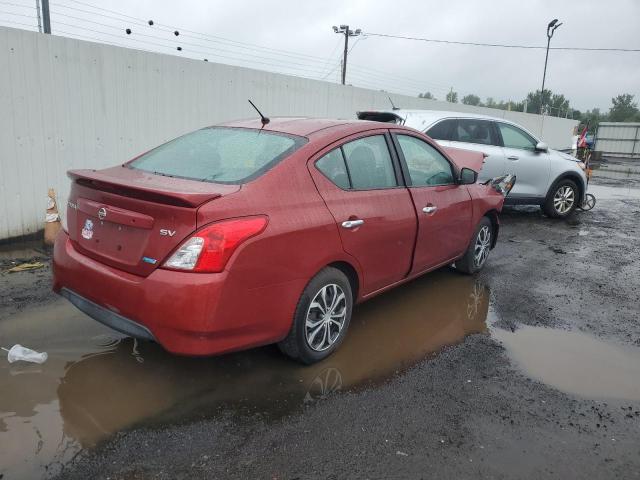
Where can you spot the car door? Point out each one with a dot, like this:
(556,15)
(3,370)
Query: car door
(531,167)
(360,184)
(480,135)
(444,207)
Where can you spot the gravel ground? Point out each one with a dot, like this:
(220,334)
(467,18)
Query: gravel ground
(468,412)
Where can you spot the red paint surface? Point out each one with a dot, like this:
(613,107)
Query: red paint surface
(252,301)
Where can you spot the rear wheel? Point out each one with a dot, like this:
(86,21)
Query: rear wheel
(476,255)
(562,199)
(321,318)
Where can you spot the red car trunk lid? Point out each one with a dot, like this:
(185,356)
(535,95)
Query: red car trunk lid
(132,220)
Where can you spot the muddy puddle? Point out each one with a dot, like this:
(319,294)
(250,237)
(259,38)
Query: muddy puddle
(575,362)
(96,383)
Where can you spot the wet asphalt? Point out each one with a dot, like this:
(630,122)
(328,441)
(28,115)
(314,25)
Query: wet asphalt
(529,370)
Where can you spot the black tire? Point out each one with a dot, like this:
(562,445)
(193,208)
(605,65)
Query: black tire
(554,209)
(467,263)
(296,345)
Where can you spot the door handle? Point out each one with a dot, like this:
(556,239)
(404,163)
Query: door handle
(512,157)
(430,209)
(352,223)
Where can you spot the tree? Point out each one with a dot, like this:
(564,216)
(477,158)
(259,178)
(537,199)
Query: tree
(452,97)
(427,95)
(536,99)
(623,109)
(592,118)
(471,99)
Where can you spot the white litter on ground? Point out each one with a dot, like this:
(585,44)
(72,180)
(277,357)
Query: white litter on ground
(18,352)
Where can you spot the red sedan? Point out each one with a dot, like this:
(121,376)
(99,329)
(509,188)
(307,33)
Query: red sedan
(242,235)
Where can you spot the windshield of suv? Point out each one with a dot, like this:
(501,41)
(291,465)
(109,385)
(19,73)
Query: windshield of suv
(219,154)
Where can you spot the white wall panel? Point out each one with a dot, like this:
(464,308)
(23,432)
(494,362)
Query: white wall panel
(67,103)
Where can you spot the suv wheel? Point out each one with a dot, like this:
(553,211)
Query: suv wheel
(321,319)
(562,199)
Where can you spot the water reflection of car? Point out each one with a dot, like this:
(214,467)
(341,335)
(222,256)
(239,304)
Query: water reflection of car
(112,390)
(245,234)
(552,179)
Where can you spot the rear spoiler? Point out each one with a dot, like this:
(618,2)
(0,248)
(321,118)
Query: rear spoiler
(386,117)
(150,187)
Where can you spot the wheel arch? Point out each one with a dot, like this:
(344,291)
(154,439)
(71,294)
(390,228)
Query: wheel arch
(352,275)
(573,176)
(492,215)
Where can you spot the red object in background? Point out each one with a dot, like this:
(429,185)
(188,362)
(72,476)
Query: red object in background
(582,140)
(205,268)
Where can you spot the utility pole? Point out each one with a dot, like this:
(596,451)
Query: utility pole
(39,17)
(46,19)
(551,28)
(344,30)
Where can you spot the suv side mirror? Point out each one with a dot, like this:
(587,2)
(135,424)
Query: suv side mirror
(468,176)
(542,147)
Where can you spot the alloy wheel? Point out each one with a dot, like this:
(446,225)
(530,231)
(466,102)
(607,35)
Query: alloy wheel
(564,199)
(482,246)
(325,317)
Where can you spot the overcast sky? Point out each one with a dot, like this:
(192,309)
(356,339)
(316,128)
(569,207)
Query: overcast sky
(588,79)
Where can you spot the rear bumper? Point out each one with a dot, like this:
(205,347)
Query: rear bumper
(107,317)
(186,313)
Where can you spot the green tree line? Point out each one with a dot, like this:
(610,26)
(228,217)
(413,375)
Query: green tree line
(623,107)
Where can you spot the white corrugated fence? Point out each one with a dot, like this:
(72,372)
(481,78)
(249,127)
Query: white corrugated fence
(67,103)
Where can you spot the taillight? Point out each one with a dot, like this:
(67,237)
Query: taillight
(210,248)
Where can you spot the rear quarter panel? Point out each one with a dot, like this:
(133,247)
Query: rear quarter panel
(268,273)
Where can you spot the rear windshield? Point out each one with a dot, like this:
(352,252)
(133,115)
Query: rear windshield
(219,154)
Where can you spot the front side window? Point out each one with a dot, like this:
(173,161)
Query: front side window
(474,131)
(369,163)
(442,130)
(427,166)
(513,137)
(219,154)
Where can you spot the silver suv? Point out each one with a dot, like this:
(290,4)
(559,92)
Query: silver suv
(549,178)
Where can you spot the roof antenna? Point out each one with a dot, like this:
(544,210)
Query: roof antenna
(393,107)
(263,119)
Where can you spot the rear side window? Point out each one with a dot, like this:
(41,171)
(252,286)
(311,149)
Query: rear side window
(333,167)
(369,163)
(219,154)
(474,131)
(441,130)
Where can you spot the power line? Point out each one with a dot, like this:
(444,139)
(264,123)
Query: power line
(20,24)
(17,14)
(235,43)
(502,45)
(207,52)
(20,5)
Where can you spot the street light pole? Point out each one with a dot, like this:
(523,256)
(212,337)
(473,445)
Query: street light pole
(551,28)
(344,29)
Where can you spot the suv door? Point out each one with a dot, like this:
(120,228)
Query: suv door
(444,208)
(480,136)
(531,167)
(360,184)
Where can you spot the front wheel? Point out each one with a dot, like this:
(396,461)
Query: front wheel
(321,319)
(562,199)
(476,255)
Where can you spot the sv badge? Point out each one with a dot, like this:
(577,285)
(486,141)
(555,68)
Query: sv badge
(167,233)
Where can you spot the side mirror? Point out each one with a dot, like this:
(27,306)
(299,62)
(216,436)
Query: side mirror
(468,176)
(542,147)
